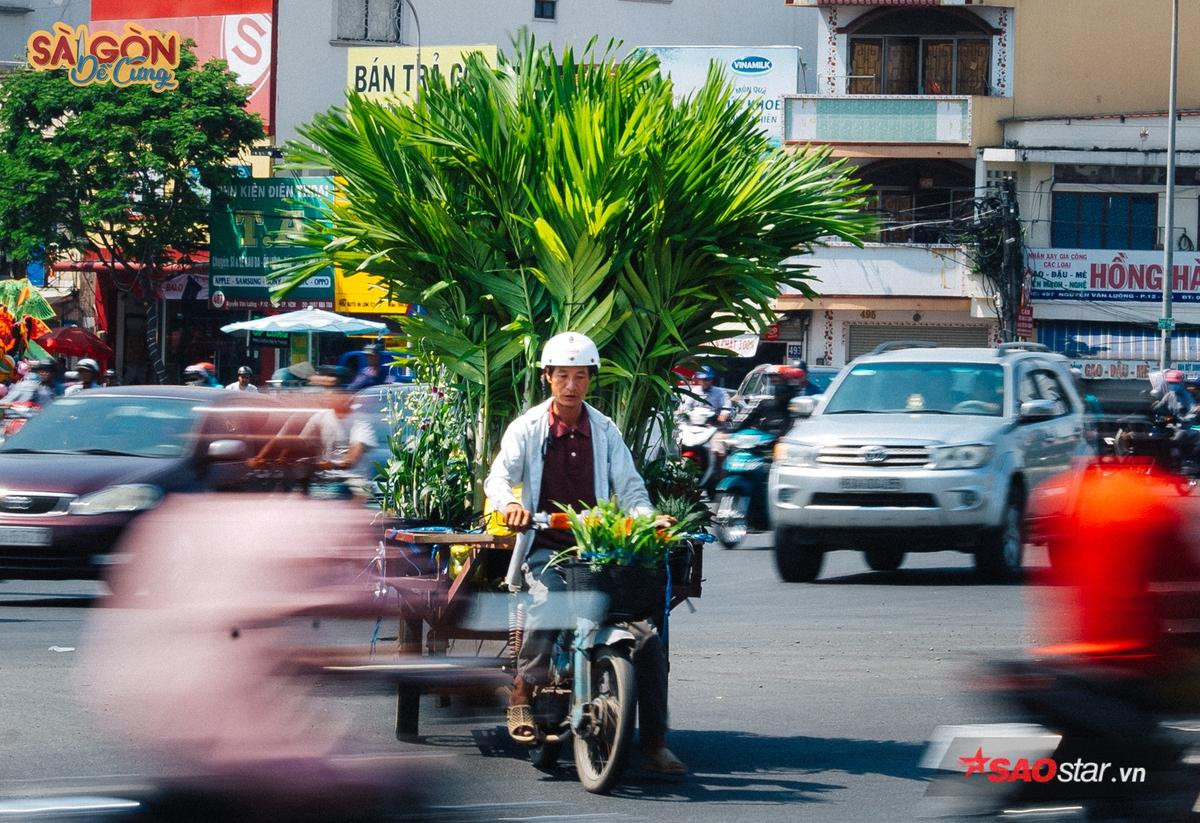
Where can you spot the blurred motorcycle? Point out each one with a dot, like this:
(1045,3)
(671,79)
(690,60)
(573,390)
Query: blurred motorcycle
(694,438)
(741,498)
(15,418)
(1162,444)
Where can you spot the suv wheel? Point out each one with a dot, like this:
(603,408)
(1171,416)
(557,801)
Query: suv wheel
(798,559)
(1002,549)
(883,560)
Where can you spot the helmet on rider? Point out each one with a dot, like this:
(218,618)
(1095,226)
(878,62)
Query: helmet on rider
(1173,377)
(245,370)
(571,349)
(88,364)
(787,374)
(706,373)
(199,374)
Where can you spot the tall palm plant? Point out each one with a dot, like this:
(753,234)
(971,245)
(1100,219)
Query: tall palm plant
(551,193)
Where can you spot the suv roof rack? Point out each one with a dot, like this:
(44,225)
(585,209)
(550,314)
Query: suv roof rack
(893,345)
(1019,345)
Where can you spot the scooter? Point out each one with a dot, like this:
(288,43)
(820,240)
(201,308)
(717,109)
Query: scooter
(1088,748)
(15,418)
(1157,444)
(741,498)
(694,437)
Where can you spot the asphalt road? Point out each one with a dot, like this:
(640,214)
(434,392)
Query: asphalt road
(788,701)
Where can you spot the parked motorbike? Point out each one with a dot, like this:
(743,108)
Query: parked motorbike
(741,497)
(1088,748)
(1156,442)
(591,696)
(694,439)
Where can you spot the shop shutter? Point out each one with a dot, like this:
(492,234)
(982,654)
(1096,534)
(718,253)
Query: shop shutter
(864,338)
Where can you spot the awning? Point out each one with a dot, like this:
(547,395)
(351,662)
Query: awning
(1115,341)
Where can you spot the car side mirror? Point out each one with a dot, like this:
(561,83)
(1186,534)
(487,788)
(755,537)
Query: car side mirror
(802,406)
(223,451)
(1038,410)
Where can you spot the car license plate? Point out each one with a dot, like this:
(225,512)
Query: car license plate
(24,536)
(872,484)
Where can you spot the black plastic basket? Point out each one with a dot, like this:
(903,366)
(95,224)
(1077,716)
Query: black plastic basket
(633,592)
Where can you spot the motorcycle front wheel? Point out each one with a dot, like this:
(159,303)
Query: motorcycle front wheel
(730,522)
(601,756)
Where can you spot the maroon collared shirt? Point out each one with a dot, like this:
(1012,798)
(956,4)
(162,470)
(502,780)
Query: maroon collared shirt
(569,471)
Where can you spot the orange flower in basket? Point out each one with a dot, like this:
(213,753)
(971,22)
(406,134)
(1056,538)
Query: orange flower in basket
(8,335)
(32,328)
(628,526)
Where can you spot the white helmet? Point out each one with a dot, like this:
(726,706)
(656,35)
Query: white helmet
(89,364)
(570,349)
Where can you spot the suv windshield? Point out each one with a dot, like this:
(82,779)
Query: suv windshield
(920,388)
(138,426)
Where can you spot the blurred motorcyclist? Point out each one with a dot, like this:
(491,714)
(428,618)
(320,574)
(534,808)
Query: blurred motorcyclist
(37,389)
(244,373)
(89,373)
(1175,400)
(772,415)
(201,374)
(715,397)
(1130,571)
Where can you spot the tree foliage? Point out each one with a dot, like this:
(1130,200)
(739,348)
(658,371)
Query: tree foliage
(553,192)
(118,172)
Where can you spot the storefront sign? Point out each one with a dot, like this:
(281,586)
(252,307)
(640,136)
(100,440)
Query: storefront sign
(362,293)
(392,72)
(132,56)
(240,32)
(743,345)
(1114,369)
(764,75)
(184,287)
(1095,274)
(248,235)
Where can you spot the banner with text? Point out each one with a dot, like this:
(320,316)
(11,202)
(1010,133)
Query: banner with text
(1099,274)
(391,72)
(762,74)
(247,235)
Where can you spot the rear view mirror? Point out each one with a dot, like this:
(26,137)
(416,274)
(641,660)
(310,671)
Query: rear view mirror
(228,450)
(802,406)
(1038,409)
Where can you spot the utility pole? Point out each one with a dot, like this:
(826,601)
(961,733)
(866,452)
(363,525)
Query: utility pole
(1166,323)
(1011,267)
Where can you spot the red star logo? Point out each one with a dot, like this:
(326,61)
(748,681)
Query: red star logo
(978,763)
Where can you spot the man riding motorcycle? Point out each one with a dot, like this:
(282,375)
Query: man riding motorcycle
(565,452)
(772,415)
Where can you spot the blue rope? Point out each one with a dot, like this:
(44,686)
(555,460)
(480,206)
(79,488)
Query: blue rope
(666,633)
(375,634)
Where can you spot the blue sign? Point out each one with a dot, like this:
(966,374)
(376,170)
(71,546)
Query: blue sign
(36,272)
(751,64)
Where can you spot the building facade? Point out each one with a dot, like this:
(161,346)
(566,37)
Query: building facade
(937,102)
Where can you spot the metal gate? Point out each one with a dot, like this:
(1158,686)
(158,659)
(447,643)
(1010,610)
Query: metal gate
(864,338)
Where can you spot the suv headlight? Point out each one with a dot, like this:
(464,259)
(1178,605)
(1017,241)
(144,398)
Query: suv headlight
(132,497)
(968,456)
(796,454)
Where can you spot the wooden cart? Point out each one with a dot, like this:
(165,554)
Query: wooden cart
(432,602)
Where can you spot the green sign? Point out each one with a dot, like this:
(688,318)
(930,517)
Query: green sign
(1166,324)
(247,235)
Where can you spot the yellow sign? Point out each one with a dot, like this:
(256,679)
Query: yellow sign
(135,56)
(361,293)
(391,72)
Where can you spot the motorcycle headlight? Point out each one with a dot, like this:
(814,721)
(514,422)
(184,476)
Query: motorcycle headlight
(132,497)
(968,456)
(796,454)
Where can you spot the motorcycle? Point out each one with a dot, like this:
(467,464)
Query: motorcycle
(591,695)
(1088,748)
(741,498)
(1156,443)
(694,437)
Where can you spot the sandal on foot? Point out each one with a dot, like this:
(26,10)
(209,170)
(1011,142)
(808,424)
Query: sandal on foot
(520,724)
(662,761)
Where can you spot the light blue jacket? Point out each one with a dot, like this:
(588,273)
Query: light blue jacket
(521,460)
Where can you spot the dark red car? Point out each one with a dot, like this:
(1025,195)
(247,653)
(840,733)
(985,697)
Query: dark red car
(75,476)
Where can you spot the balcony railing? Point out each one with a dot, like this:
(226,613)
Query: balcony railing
(886,118)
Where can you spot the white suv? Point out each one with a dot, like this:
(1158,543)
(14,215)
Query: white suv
(920,448)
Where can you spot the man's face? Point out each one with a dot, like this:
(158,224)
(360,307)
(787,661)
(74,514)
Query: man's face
(706,383)
(243,379)
(87,376)
(569,385)
(45,375)
(372,359)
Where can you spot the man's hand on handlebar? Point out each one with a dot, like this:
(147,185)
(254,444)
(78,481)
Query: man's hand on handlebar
(517,517)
